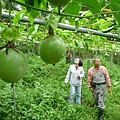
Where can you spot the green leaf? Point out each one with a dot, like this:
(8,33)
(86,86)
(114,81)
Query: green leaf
(30,18)
(72,20)
(51,22)
(31,29)
(21,0)
(93,5)
(0,8)
(114,1)
(118,32)
(76,1)
(115,6)
(106,25)
(60,19)
(76,24)
(102,3)
(39,1)
(85,46)
(43,3)
(73,8)
(76,43)
(29,2)
(18,16)
(10,34)
(34,13)
(16,33)
(93,20)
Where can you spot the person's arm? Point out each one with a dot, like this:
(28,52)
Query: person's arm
(67,76)
(89,80)
(82,74)
(107,78)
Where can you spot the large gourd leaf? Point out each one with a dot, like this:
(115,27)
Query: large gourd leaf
(93,5)
(34,13)
(73,8)
(115,1)
(0,8)
(115,6)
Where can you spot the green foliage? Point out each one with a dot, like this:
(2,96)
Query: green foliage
(73,8)
(42,95)
(0,8)
(59,2)
(10,34)
(92,5)
(51,22)
(115,5)
(18,16)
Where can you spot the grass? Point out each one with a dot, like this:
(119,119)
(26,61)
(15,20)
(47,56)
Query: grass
(42,95)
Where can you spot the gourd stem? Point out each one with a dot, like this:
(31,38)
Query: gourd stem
(13,86)
(9,3)
(50,31)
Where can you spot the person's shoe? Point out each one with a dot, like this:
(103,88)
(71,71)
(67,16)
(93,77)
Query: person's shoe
(100,114)
(100,118)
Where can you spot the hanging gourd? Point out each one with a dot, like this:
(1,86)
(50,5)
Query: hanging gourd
(13,62)
(52,48)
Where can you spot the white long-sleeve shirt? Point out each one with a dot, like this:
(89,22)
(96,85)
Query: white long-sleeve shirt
(73,74)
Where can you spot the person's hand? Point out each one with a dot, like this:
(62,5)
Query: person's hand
(78,77)
(109,90)
(91,89)
(65,83)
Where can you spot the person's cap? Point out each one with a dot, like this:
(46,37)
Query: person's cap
(76,60)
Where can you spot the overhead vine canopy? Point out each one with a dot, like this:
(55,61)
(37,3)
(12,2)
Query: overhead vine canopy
(100,15)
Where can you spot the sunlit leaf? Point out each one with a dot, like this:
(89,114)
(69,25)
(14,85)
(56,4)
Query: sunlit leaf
(77,24)
(85,46)
(18,16)
(76,43)
(31,29)
(106,25)
(34,13)
(53,24)
(29,2)
(73,8)
(30,18)
(119,32)
(115,6)
(10,34)
(0,8)
(93,5)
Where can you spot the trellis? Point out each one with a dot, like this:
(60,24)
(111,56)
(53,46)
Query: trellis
(35,46)
(67,27)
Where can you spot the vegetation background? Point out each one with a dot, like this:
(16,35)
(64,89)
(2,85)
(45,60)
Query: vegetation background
(42,95)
